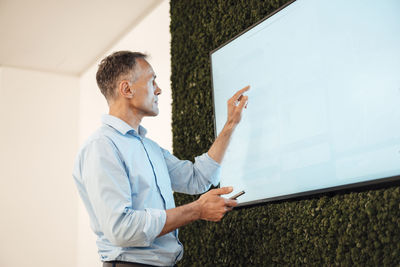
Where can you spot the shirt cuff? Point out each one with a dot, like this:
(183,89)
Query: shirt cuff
(158,219)
(212,160)
(212,167)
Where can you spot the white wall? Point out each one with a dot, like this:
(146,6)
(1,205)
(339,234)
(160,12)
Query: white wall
(38,141)
(44,118)
(151,36)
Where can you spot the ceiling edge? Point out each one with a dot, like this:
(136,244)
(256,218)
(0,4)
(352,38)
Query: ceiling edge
(120,36)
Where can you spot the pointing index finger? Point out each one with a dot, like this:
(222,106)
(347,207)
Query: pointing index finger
(240,92)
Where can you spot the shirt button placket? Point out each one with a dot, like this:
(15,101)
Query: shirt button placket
(154,173)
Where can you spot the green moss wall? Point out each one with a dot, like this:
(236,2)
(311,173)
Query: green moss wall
(339,229)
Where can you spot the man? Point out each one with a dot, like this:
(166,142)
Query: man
(126,181)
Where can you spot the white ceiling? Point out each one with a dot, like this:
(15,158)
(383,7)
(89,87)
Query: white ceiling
(64,36)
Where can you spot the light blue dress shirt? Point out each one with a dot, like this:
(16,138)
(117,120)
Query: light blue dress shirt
(126,182)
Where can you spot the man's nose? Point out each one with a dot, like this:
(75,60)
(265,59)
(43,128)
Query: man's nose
(158,91)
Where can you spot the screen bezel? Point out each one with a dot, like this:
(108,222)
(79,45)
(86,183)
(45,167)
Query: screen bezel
(365,185)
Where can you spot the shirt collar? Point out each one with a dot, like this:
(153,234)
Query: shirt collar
(122,126)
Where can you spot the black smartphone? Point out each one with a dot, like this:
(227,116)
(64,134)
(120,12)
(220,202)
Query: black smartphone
(237,195)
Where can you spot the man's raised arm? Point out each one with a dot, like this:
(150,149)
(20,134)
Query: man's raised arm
(235,106)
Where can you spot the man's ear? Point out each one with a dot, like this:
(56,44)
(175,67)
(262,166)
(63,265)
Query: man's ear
(125,90)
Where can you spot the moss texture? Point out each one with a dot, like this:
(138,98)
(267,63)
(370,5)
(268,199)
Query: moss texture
(339,229)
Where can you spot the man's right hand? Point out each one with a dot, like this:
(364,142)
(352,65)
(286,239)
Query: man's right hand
(213,207)
(210,206)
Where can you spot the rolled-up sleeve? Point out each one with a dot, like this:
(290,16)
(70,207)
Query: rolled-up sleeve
(109,193)
(192,178)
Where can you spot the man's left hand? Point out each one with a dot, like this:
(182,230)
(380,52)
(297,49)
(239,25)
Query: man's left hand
(235,106)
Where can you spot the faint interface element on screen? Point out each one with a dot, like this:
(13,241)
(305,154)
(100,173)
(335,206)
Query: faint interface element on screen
(324,104)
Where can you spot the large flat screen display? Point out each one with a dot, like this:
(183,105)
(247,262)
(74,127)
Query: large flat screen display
(324,104)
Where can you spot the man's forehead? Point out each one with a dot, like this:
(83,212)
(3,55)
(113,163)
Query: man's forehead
(144,67)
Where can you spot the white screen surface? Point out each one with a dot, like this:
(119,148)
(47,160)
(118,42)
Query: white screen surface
(324,103)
